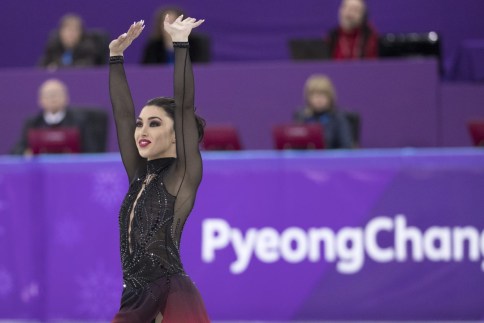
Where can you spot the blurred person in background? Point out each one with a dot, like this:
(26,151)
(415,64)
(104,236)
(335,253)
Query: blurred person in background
(355,37)
(320,106)
(159,48)
(53,99)
(70,45)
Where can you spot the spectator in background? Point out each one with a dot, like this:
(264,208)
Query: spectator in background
(320,98)
(355,37)
(53,99)
(70,45)
(159,49)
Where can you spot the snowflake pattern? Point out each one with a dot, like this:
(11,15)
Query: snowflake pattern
(2,190)
(6,283)
(99,293)
(3,205)
(319,177)
(29,292)
(108,188)
(68,232)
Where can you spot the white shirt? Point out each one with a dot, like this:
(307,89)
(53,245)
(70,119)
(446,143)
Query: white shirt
(53,118)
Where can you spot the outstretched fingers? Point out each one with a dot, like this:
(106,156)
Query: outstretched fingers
(135,29)
(192,22)
(119,45)
(198,23)
(181,28)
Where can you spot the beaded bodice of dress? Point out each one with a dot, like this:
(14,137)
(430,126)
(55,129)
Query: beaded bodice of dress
(149,248)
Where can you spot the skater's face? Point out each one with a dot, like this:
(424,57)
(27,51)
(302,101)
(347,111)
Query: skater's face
(154,134)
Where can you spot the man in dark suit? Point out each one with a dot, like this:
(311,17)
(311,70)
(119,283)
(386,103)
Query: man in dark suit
(54,101)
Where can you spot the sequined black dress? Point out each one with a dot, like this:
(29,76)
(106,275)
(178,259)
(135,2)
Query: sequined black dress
(161,195)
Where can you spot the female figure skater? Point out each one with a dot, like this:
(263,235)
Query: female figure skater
(161,156)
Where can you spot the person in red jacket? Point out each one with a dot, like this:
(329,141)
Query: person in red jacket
(355,37)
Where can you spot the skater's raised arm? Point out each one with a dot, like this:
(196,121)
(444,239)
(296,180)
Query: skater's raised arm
(121,101)
(189,163)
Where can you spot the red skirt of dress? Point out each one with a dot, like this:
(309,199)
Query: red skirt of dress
(175,297)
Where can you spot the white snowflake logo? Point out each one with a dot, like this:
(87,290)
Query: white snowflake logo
(109,188)
(6,283)
(100,293)
(68,232)
(3,205)
(319,177)
(29,292)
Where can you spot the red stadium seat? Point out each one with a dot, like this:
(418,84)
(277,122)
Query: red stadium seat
(54,140)
(476,129)
(221,137)
(299,136)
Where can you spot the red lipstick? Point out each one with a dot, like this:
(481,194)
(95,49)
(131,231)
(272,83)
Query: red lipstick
(143,143)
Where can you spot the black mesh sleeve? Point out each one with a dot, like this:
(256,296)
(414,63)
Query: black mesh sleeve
(124,117)
(187,172)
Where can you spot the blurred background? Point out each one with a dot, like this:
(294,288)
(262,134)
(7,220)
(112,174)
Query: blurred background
(320,114)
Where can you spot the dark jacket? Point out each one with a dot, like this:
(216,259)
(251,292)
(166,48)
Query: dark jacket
(337,131)
(84,54)
(71,119)
(155,51)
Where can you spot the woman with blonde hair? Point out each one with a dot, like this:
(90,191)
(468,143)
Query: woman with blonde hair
(320,106)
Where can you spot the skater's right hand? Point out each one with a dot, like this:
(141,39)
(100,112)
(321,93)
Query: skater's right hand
(119,45)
